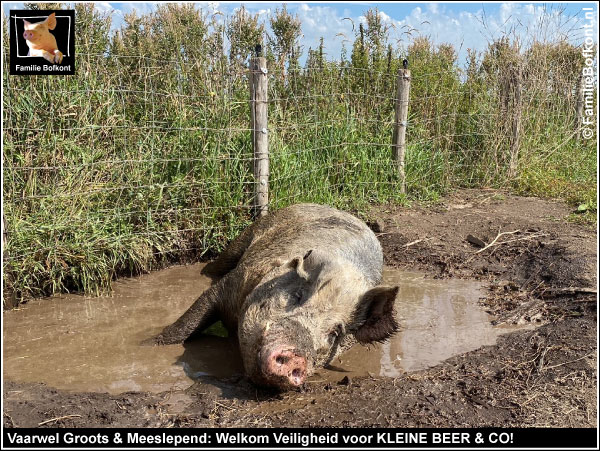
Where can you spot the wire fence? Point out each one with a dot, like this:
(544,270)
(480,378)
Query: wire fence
(137,162)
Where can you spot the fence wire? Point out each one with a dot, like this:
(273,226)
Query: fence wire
(136,162)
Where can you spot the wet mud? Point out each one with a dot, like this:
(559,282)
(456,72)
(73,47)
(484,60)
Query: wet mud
(505,337)
(82,343)
(69,342)
(438,320)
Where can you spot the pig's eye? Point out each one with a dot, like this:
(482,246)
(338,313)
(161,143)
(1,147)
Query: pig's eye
(298,296)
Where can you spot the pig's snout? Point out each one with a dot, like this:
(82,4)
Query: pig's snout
(28,35)
(283,365)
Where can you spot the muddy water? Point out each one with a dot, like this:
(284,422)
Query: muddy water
(93,343)
(438,319)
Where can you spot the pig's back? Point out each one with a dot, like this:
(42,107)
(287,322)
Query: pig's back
(296,229)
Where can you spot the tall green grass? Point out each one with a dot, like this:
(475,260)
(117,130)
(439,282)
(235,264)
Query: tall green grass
(144,157)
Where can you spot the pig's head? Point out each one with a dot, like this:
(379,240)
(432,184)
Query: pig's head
(38,32)
(297,316)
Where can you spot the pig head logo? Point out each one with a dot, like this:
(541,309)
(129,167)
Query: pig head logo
(40,41)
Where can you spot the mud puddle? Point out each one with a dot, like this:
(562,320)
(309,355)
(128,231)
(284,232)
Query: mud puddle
(438,319)
(82,343)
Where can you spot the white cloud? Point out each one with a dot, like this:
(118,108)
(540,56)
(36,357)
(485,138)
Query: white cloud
(442,23)
(138,8)
(384,17)
(326,22)
(529,9)
(506,11)
(475,30)
(103,7)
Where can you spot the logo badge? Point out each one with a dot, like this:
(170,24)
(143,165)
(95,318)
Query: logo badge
(42,42)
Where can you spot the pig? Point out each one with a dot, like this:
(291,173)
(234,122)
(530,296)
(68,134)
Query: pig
(40,41)
(299,285)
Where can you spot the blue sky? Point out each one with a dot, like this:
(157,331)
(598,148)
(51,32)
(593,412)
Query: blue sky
(461,24)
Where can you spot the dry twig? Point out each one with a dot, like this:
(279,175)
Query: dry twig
(413,243)
(223,405)
(571,361)
(58,419)
(496,239)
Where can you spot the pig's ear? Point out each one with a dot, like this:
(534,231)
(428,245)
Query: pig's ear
(298,264)
(27,23)
(375,315)
(51,21)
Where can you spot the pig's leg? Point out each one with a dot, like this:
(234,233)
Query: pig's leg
(58,56)
(53,57)
(200,315)
(48,56)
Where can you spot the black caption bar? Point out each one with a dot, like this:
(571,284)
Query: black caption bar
(299,438)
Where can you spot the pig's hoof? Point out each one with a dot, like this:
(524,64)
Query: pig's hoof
(164,339)
(58,57)
(157,340)
(153,341)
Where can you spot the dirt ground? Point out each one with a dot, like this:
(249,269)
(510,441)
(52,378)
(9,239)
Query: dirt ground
(537,267)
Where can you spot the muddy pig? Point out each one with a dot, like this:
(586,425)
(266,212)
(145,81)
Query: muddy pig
(298,285)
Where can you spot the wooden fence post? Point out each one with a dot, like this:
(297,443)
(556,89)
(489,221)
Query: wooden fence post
(260,138)
(399,138)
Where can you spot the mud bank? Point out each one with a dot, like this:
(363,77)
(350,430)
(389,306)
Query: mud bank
(544,278)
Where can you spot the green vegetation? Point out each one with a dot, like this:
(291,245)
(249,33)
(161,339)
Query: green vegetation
(144,157)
